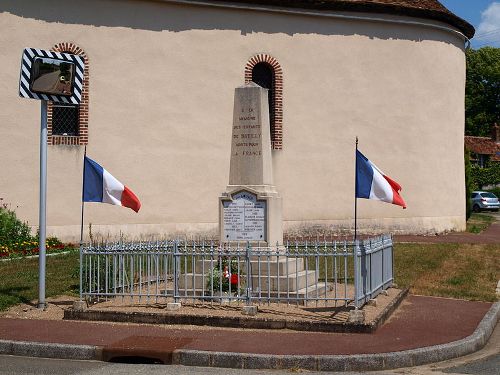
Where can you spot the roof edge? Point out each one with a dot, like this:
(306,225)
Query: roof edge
(440,13)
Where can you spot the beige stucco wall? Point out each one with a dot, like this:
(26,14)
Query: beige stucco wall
(162,79)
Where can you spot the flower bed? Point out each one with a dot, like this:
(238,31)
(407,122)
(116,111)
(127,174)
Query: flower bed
(16,240)
(27,248)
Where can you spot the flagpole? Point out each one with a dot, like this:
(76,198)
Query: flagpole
(355,244)
(81,224)
(83,203)
(355,193)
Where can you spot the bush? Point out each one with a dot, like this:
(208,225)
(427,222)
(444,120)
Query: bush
(485,176)
(468,184)
(12,230)
(16,239)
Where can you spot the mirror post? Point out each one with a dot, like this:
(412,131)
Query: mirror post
(43,204)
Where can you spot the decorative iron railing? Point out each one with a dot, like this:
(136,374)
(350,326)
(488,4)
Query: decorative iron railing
(329,272)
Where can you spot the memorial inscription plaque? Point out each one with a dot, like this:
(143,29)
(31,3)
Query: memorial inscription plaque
(244,218)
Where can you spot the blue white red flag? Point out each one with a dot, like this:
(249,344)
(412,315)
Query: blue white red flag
(372,183)
(100,186)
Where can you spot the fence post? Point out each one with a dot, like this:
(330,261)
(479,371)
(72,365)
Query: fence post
(81,271)
(176,272)
(249,274)
(392,256)
(356,273)
(383,251)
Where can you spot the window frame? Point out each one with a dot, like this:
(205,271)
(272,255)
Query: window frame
(277,95)
(82,137)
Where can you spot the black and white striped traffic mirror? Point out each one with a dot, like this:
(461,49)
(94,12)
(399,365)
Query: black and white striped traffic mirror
(54,76)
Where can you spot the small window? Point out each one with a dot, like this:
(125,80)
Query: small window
(263,75)
(473,195)
(265,71)
(65,119)
(67,123)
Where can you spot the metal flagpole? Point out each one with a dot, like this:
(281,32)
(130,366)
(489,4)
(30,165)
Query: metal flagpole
(42,213)
(355,193)
(81,224)
(355,244)
(83,186)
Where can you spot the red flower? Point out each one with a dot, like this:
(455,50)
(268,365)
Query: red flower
(234,279)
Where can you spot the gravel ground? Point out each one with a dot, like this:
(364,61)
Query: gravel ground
(312,312)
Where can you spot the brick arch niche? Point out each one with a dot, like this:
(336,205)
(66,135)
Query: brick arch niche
(276,115)
(83,113)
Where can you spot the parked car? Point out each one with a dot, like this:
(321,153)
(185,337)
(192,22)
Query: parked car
(484,200)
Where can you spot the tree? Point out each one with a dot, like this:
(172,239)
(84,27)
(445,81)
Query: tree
(482,91)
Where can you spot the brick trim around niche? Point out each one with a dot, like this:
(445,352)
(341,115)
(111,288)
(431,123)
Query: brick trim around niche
(277,121)
(83,117)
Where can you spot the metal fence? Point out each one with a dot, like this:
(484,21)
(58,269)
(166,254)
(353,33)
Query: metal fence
(328,272)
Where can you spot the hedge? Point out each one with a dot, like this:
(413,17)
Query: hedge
(485,176)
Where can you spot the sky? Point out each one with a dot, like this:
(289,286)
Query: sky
(484,15)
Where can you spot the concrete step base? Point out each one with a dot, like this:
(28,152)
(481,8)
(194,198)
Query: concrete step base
(291,283)
(273,266)
(317,290)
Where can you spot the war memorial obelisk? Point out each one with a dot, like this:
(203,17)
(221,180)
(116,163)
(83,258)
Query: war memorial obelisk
(250,209)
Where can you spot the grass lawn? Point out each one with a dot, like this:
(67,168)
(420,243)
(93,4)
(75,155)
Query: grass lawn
(479,222)
(448,270)
(19,278)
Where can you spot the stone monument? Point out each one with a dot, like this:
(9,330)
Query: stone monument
(250,211)
(250,208)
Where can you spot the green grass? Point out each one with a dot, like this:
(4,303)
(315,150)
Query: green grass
(479,222)
(449,270)
(19,278)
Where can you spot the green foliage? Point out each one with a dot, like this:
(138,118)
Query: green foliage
(485,176)
(482,91)
(468,184)
(225,274)
(12,230)
(16,239)
(479,222)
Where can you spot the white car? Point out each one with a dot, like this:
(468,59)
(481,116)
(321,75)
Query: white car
(484,200)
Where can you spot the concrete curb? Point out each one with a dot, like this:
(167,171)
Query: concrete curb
(50,350)
(357,362)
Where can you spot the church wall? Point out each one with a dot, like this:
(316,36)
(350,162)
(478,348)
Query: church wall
(162,80)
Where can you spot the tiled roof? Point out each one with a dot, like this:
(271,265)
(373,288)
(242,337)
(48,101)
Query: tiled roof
(430,9)
(483,146)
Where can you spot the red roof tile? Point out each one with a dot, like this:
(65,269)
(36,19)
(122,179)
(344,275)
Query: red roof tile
(483,146)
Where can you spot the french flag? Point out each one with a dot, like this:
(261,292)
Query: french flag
(371,183)
(100,186)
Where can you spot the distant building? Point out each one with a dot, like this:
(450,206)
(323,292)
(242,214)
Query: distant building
(484,149)
(157,109)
